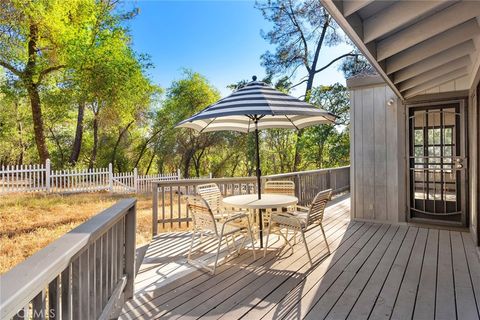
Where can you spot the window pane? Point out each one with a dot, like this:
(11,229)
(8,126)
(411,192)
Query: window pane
(418,137)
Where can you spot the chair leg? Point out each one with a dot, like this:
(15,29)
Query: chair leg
(325,238)
(268,236)
(191,246)
(250,234)
(216,255)
(306,247)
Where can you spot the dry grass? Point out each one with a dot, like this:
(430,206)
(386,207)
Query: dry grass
(29,222)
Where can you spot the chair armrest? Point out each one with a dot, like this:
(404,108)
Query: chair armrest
(302,208)
(235,216)
(286,218)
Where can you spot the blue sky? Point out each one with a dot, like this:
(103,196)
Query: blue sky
(219,39)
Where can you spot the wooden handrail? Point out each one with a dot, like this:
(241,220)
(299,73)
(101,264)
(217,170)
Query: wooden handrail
(105,242)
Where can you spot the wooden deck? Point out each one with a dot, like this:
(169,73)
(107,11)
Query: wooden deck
(375,271)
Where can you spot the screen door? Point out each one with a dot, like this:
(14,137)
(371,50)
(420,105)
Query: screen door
(437,163)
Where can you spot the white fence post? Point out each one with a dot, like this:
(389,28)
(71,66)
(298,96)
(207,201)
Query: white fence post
(47,174)
(210,175)
(110,177)
(179,174)
(135,179)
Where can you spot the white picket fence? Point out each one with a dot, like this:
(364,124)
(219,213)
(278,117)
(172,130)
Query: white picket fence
(41,178)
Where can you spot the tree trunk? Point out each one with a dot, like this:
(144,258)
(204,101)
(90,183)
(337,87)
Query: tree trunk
(59,147)
(77,143)
(308,90)
(144,147)
(120,136)
(38,125)
(34,96)
(20,134)
(93,158)
(186,164)
(150,163)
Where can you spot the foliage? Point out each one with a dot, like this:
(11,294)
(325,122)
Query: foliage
(328,145)
(82,96)
(301,30)
(71,63)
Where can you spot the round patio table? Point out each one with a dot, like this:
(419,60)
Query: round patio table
(268,201)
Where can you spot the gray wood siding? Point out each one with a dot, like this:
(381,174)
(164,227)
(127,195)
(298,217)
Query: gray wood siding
(377,154)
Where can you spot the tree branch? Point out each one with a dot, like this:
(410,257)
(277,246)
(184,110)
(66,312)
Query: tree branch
(10,68)
(335,60)
(291,15)
(46,71)
(297,84)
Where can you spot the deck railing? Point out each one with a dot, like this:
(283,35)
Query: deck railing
(85,274)
(170,212)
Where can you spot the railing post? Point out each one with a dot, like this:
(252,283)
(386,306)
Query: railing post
(47,175)
(135,179)
(179,174)
(298,188)
(110,177)
(155,210)
(329,177)
(130,242)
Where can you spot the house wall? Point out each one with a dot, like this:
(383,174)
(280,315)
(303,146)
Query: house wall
(378,151)
(378,171)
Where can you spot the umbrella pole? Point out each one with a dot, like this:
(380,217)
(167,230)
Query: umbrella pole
(259,182)
(259,171)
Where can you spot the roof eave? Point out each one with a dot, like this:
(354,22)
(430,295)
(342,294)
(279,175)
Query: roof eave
(345,25)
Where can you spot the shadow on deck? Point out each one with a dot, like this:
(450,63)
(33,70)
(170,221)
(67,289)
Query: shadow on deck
(374,271)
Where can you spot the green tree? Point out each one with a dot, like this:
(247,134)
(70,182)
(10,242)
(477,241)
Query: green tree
(301,29)
(328,145)
(36,39)
(185,97)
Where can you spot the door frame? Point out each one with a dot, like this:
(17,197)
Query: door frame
(464,221)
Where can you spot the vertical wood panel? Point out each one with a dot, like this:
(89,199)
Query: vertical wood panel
(76,289)
(380,153)
(376,145)
(66,293)
(392,167)
(352,154)
(368,153)
(358,159)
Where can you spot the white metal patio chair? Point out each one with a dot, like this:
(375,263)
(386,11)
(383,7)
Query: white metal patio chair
(285,187)
(205,224)
(280,187)
(301,220)
(211,193)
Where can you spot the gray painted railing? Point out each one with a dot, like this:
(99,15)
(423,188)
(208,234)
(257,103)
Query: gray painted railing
(169,211)
(85,274)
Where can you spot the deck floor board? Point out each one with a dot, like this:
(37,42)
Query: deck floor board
(374,271)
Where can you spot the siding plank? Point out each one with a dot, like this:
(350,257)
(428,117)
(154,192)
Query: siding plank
(380,172)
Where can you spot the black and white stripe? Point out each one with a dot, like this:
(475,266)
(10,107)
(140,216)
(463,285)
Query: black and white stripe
(256,99)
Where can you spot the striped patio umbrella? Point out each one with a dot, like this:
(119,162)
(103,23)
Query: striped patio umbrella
(254,107)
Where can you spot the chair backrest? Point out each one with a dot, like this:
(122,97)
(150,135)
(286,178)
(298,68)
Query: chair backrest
(317,208)
(280,187)
(211,193)
(202,216)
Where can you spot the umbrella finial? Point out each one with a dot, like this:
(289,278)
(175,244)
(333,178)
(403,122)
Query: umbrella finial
(254,78)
